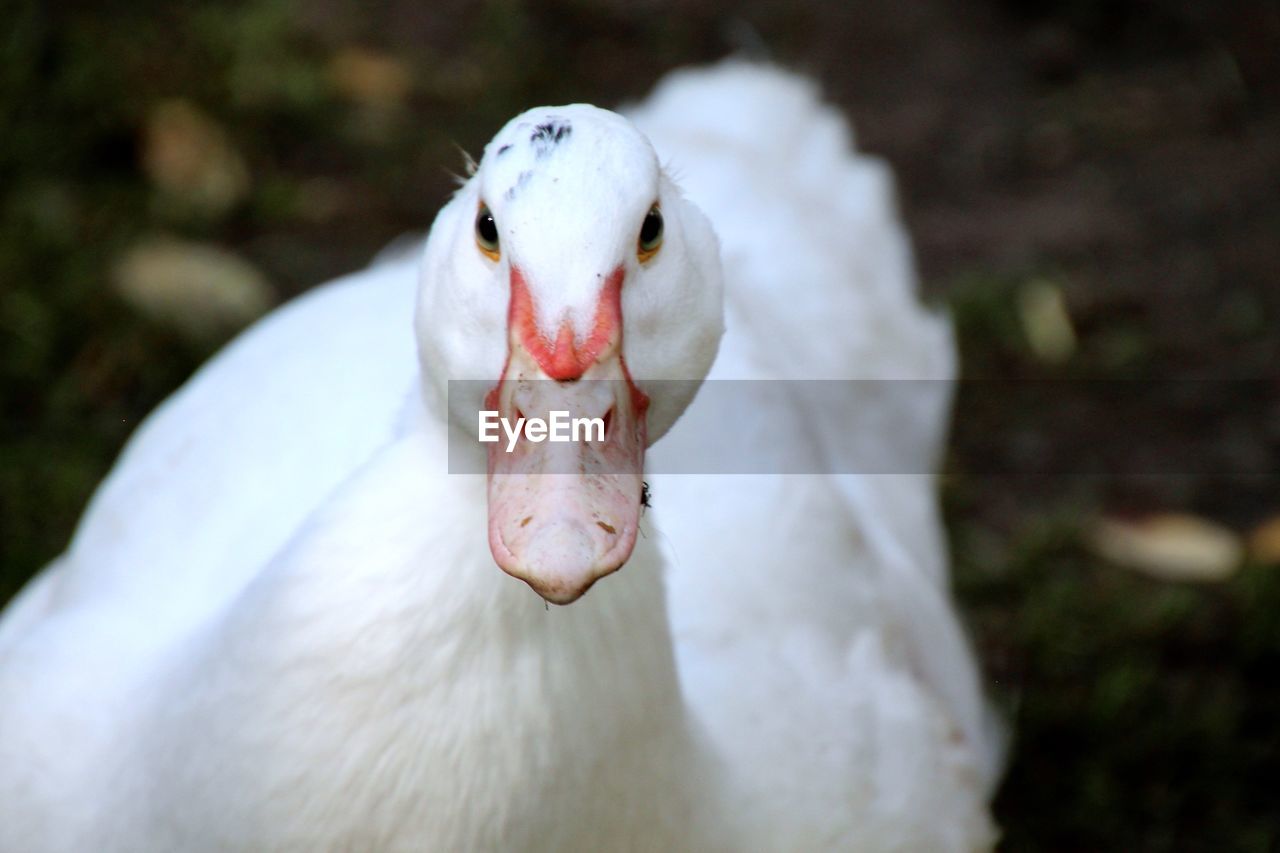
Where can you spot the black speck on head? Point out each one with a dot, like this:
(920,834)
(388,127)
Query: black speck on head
(504,149)
(548,135)
(521,180)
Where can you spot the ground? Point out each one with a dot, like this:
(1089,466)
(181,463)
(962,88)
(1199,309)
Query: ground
(1117,162)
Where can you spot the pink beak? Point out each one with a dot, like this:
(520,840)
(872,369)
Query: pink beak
(563,514)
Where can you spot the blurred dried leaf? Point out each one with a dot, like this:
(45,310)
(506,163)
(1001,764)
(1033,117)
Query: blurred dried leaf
(189,158)
(1264,542)
(1046,322)
(1169,546)
(372,79)
(203,292)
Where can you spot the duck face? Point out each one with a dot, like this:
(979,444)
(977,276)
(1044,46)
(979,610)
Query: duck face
(571,275)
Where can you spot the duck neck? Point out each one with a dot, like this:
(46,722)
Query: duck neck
(438,678)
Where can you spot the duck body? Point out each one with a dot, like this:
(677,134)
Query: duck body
(279,626)
(350,694)
(841,613)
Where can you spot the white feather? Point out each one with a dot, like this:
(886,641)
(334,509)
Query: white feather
(278,626)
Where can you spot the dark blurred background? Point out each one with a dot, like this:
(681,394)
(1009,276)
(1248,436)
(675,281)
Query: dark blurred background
(1093,188)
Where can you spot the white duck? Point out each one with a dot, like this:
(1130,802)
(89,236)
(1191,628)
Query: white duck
(280,626)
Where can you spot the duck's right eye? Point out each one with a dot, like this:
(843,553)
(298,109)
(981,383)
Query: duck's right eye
(487,233)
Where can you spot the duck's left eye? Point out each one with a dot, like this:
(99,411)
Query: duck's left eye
(487,233)
(650,234)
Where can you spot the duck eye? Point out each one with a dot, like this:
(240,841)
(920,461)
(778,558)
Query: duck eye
(487,233)
(650,234)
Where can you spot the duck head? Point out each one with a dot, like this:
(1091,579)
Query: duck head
(569,274)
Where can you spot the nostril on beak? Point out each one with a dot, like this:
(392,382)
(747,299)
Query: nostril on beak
(608,423)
